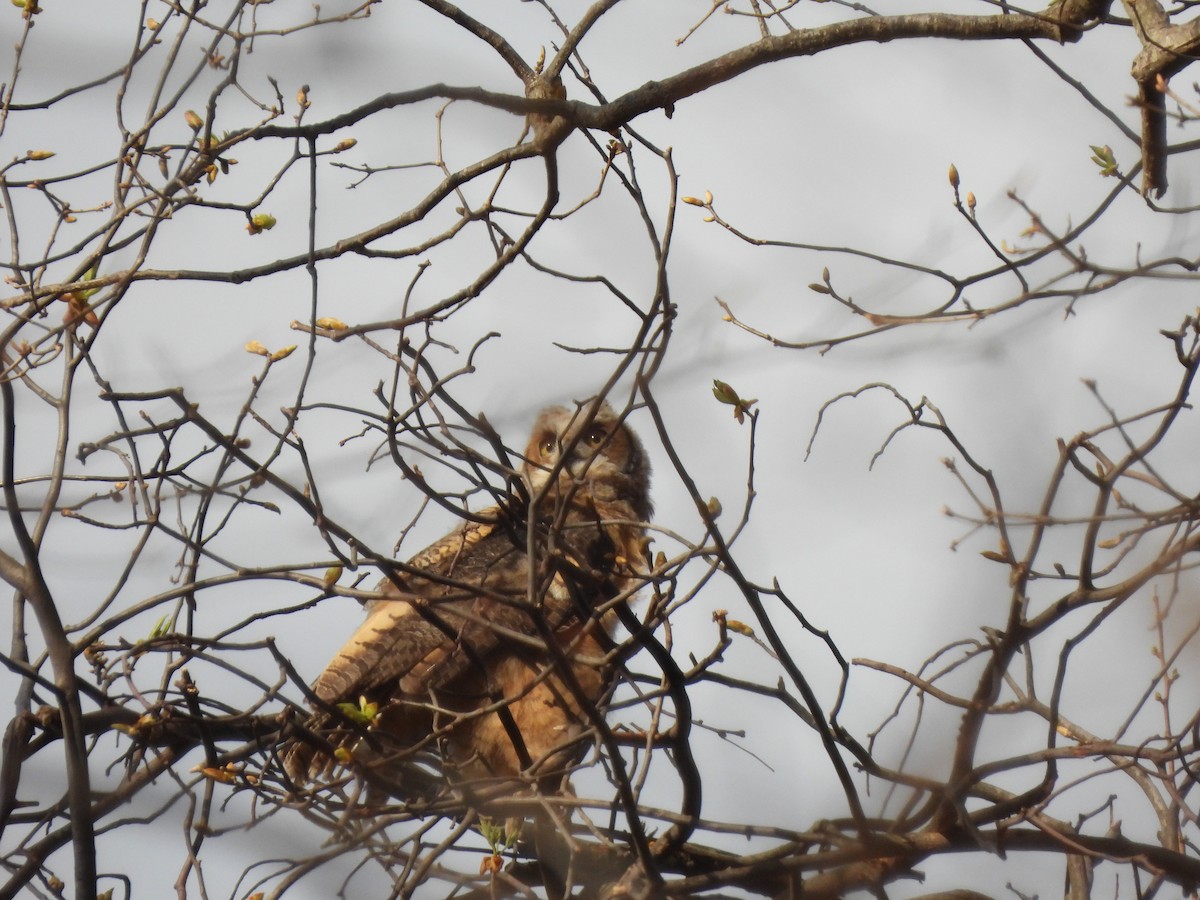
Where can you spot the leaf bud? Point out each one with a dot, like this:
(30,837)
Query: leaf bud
(260,222)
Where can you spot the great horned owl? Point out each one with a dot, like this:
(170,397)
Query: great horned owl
(489,648)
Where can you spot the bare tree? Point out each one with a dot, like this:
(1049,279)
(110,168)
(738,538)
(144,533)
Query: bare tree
(187,538)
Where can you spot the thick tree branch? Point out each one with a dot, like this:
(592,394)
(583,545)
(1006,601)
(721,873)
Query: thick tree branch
(1167,49)
(666,93)
(62,659)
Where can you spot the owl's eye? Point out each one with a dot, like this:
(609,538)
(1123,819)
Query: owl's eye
(596,435)
(546,447)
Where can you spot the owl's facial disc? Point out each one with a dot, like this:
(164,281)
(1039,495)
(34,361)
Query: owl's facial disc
(582,456)
(593,448)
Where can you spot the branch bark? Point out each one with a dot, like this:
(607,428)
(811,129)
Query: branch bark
(1167,50)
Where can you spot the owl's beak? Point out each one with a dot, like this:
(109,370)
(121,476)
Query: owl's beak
(582,460)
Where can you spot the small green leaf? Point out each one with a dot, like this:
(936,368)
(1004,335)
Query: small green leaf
(724,393)
(89,275)
(364,712)
(161,627)
(727,395)
(260,222)
(1103,157)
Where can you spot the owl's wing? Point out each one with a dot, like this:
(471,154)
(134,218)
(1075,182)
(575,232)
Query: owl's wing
(393,639)
(574,577)
(474,589)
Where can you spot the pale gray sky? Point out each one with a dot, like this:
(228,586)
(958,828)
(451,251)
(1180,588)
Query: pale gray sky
(847,149)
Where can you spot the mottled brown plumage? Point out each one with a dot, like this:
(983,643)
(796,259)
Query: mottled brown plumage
(491,657)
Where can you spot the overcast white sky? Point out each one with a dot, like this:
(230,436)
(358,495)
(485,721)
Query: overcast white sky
(847,149)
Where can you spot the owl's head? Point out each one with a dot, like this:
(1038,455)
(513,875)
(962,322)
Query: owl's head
(601,455)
